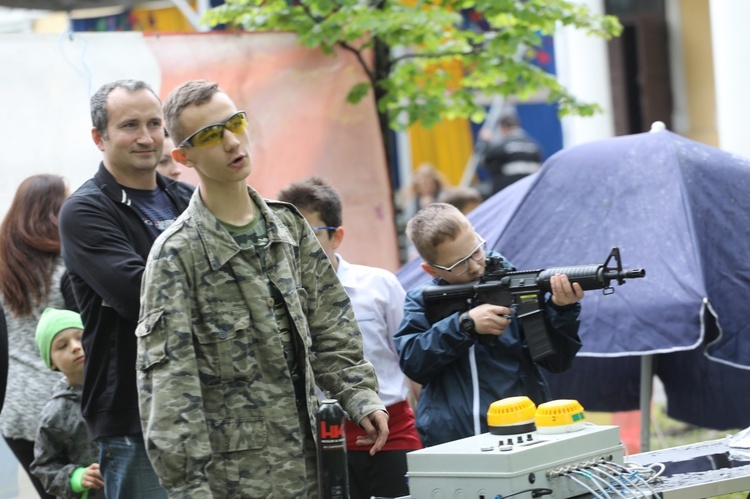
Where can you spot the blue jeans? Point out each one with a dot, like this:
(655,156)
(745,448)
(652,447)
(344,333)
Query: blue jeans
(126,470)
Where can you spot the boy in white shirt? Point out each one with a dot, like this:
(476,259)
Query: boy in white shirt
(378,300)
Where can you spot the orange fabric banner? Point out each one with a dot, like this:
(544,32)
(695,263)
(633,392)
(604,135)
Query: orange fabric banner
(300,124)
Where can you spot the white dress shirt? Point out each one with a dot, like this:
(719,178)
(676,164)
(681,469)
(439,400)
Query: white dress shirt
(378,301)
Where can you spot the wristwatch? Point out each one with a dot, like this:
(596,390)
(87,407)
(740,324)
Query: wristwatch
(466,324)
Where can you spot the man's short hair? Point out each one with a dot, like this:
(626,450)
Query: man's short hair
(99,115)
(433,225)
(192,92)
(315,195)
(508,121)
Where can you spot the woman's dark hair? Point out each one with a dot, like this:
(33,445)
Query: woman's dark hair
(30,242)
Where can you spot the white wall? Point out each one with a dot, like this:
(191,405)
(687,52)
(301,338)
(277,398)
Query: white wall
(47,81)
(583,67)
(731,51)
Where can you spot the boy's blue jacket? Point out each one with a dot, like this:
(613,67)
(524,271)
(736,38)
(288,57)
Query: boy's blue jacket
(462,377)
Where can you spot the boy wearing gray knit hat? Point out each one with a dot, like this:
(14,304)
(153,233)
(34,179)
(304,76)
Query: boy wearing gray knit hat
(65,459)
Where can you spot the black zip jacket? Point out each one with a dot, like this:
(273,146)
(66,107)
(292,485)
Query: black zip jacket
(105,245)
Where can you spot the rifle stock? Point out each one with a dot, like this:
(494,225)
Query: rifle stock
(524,291)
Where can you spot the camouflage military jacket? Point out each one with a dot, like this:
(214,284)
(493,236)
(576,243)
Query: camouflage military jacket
(217,404)
(62,443)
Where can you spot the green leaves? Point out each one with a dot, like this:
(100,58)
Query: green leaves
(437,68)
(357,92)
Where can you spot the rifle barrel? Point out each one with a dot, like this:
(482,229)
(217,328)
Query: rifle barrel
(589,276)
(633,273)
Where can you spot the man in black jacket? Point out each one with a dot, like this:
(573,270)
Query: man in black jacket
(107,228)
(513,157)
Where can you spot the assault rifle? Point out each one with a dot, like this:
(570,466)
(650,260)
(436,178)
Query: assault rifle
(523,290)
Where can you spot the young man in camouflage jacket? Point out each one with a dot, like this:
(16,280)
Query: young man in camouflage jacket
(241,316)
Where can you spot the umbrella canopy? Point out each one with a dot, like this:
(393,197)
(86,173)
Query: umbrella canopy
(678,209)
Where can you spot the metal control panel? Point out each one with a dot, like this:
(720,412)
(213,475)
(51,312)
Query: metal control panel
(485,466)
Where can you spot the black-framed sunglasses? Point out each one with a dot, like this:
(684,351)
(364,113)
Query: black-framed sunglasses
(462,266)
(213,134)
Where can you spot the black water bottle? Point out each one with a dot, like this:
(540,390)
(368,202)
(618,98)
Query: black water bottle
(333,473)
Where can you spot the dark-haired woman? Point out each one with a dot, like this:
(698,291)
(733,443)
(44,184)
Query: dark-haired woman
(31,279)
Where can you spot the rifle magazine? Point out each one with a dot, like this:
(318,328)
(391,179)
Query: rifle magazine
(537,336)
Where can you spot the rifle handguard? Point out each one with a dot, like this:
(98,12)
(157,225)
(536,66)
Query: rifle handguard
(588,276)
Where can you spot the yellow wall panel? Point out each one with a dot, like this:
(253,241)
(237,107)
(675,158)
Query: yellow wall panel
(448,145)
(699,71)
(166,20)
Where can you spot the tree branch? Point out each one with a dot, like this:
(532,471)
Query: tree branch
(361,59)
(308,12)
(436,55)
(346,46)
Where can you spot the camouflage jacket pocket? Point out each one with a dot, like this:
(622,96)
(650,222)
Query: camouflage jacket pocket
(152,348)
(223,346)
(232,435)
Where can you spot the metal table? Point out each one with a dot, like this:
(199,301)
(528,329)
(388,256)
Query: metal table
(467,468)
(698,470)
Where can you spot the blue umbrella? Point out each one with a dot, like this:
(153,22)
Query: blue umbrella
(680,210)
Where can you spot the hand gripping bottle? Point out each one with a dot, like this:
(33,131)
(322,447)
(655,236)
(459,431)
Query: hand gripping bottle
(333,473)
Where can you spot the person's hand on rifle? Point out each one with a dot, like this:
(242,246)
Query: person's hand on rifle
(563,292)
(491,319)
